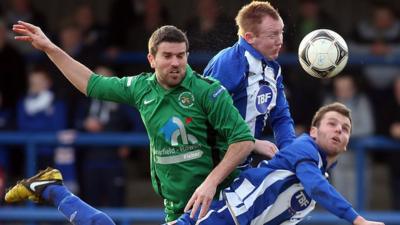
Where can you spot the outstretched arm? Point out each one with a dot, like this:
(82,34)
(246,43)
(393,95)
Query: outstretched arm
(319,189)
(74,71)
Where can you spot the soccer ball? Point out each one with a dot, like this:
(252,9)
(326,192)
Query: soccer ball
(323,53)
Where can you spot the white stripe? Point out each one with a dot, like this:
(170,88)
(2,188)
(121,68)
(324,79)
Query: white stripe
(252,88)
(244,189)
(279,73)
(129,81)
(254,76)
(222,209)
(209,214)
(234,199)
(319,161)
(281,204)
(268,181)
(205,217)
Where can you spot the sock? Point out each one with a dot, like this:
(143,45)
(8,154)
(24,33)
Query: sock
(73,208)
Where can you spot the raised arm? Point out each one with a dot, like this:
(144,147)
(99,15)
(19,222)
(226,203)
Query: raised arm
(74,71)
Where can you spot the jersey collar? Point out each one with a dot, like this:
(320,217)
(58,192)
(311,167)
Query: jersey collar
(320,151)
(188,77)
(185,82)
(243,43)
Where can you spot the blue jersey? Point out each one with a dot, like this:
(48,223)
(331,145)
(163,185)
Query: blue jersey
(256,87)
(280,191)
(287,187)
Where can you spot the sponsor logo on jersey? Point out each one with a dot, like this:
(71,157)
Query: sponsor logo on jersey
(186,99)
(174,132)
(300,201)
(263,98)
(183,147)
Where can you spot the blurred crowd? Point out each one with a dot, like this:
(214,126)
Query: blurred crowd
(35,97)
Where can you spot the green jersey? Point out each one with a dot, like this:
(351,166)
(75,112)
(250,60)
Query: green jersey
(189,126)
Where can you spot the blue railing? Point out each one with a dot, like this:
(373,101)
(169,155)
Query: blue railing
(202,58)
(126,216)
(129,215)
(362,146)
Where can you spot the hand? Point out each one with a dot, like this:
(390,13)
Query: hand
(203,197)
(266,148)
(30,33)
(361,221)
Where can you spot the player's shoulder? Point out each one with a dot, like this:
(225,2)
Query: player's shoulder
(207,87)
(303,146)
(141,77)
(204,81)
(231,54)
(227,66)
(132,80)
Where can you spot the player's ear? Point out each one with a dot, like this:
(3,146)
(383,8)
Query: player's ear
(150,57)
(249,37)
(313,132)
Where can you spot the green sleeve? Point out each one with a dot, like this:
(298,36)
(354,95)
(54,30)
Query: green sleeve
(113,89)
(224,117)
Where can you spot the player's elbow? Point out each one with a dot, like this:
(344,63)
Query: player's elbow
(248,146)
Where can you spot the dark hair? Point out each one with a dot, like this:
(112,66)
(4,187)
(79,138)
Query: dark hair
(335,107)
(251,15)
(166,33)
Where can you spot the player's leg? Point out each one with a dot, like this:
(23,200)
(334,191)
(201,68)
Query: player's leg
(47,186)
(217,214)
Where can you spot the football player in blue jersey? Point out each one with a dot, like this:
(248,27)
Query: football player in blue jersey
(280,191)
(249,72)
(286,188)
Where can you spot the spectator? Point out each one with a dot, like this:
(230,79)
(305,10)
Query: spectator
(378,36)
(23,10)
(346,91)
(71,41)
(5,123)
(102,116)
(40,111)
(93,34)
(311,16)
(392,121)
(123,15)
(128,18)
(209,29)
(12,72)
(395,111)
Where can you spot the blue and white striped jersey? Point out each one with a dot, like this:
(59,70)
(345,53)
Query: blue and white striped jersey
(256,87)
(285,189)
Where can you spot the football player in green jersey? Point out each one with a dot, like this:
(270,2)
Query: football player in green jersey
(197,137)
